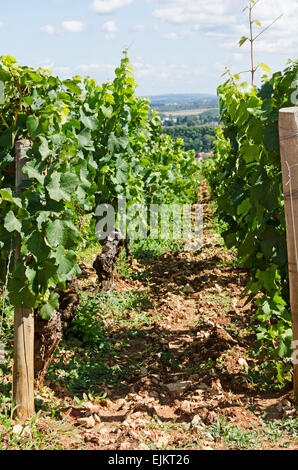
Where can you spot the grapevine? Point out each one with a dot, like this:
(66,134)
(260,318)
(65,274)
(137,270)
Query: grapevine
(246,183)
(90,144)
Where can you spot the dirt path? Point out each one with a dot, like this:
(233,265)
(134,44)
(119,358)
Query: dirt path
(188,387)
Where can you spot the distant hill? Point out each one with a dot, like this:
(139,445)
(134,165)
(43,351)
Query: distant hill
(184,97)
(176,102)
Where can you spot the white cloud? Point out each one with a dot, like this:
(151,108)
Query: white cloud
(109,6)
(68,26)
(73,26)
(110,36)
(168,71)
(46,64)
(205,12)
(171,36)
(58,69)
(138,27)
(105,70)
(65,70)
(110,27)
(48,28)
(180,35)
(237,56)
(162,76)
(88,68)
(282,37)
(224,19)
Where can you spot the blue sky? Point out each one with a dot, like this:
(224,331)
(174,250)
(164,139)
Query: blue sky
(176,46)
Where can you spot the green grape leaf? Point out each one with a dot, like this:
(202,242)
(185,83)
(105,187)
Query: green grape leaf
(11,223)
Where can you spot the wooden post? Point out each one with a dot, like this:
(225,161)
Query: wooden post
(288,133)
(23,366)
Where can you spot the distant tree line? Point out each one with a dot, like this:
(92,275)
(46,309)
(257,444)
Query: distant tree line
(198,138)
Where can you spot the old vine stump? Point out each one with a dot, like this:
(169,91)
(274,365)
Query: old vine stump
(48,333)
(105,262)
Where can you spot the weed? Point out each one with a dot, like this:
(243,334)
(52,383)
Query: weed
(97,337)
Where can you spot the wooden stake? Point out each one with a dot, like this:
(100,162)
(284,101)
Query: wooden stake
(288,133)
(23,366)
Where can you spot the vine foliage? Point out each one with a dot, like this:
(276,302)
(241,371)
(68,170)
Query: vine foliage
(246,183)
(90,144)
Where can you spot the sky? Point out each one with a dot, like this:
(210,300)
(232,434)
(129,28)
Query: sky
(175,46)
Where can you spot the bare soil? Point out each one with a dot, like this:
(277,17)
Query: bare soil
(194,359)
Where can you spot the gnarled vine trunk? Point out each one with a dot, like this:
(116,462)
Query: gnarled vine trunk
(49,333)
(105,262)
